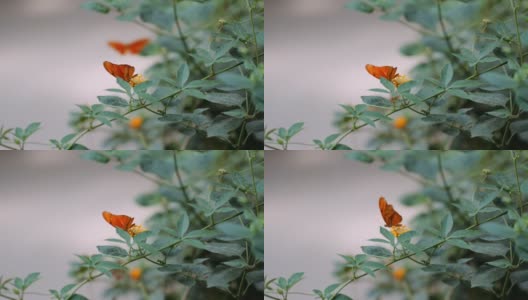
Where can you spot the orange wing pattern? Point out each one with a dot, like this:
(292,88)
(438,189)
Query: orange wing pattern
(390,216)
(136,47)
(125,72)
(119,221)
(386,72)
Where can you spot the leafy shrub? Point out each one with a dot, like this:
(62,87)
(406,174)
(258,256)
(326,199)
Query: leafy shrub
(470,90)
(205,91)
(205,239)
(469,242)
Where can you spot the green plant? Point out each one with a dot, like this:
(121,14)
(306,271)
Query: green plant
(470,91)
(469,241)
(205,239)
(205,91)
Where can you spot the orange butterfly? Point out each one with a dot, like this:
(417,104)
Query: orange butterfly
(119,221)
(386,72)
(125,72)
(136,47)
(390,216)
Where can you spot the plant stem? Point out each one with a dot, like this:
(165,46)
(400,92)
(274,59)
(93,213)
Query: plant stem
(519,44)
(519,199)
(180,31)
(253,180)
(442,25)
(250,8)
(178,175)
(444,181)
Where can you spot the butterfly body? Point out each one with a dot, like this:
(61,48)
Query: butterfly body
(390,216)
(135,47)
(119,221)
(386,72)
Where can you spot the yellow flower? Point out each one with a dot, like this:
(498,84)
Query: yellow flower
(137,79)
(136,229)
(135,123)
(400,79)
(399,230)
(135,273)
(400,122)
(399,274)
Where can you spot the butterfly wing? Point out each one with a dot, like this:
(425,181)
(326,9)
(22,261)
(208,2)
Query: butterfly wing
(125,72)
(386,72)
(389,215)
(118,46)
(119,221)
(136,47)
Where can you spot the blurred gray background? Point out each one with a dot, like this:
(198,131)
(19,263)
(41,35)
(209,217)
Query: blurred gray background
(51,204)
(318,205)
(51,56)
(316,51)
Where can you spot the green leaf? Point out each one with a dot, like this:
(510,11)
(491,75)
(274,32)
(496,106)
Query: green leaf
(223,278)
(223,98)
(500,263)
(30,279)
(234,230)
(235,81)
(447,225)
(446,75)
(362,156)
(486,128)
(387,234)
(95,6)
(360,6)
(157,166)
(112,115)
(236,113)
(227,249)
(77,297)
(376,101)
(113,251)
(500,113)
(31,128)
(223,127)
(376,251)
(499,81)
(295,128)
(492,249)
(498,230)
(468,84)
(183,224)
(95,156)
(113,101)
(487,278)
(182,75)
(294,279)
(156,14)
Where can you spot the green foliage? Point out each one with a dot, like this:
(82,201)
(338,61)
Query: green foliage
(470,237)
(204,240)
(16,287)
(204,91)
(469,90)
